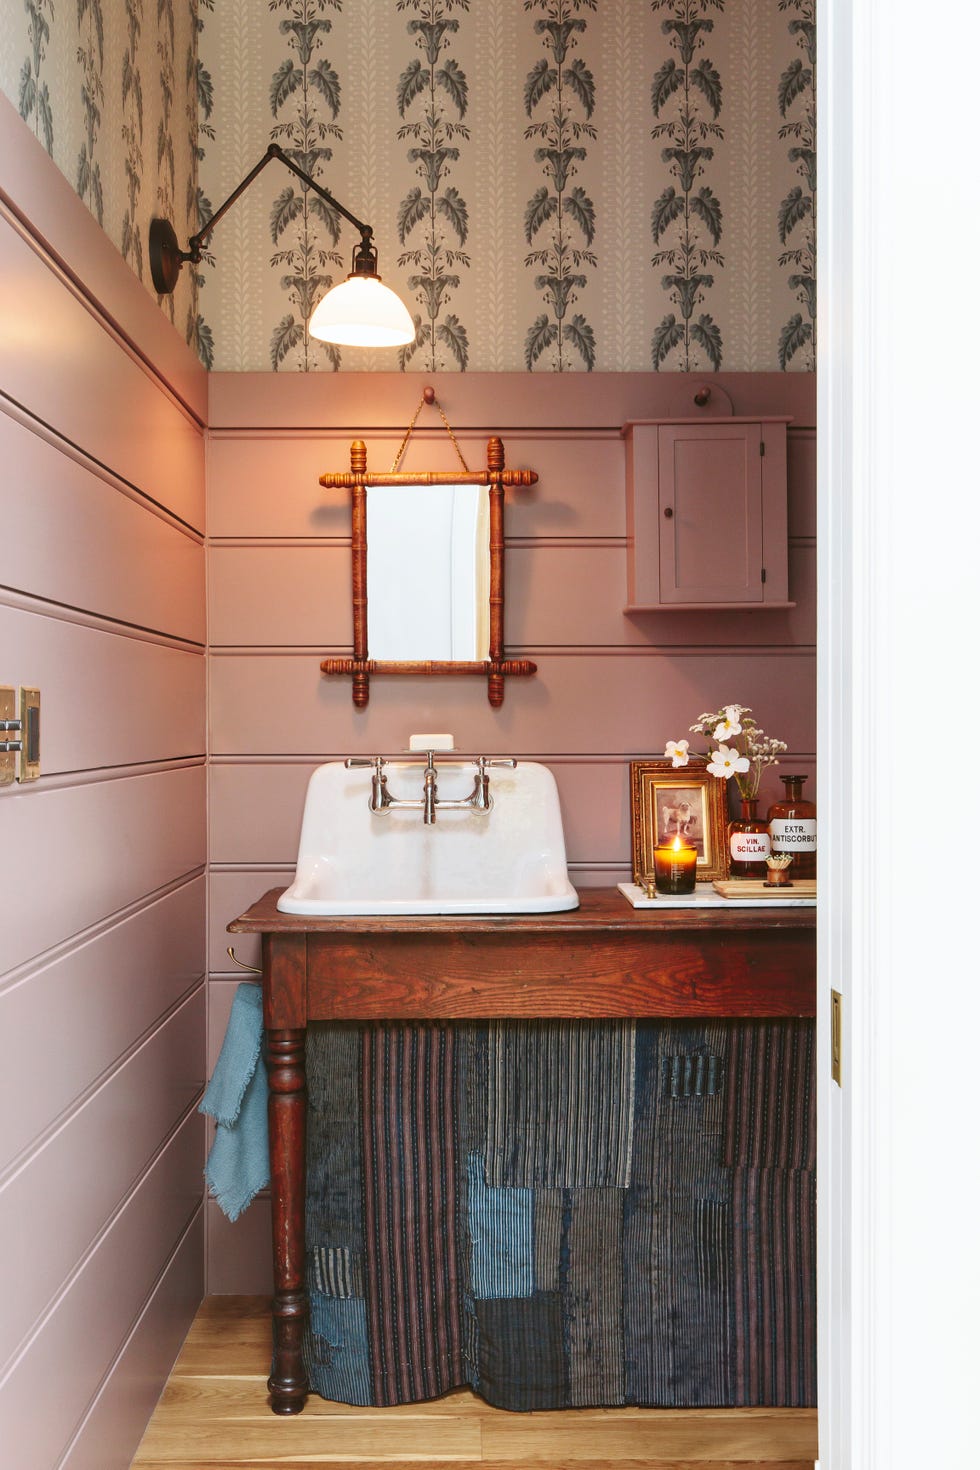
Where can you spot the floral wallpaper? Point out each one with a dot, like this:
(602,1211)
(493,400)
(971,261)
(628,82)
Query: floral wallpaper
(554,185)
(109,88)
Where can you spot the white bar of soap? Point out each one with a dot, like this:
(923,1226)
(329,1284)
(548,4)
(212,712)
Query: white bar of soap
(431,742)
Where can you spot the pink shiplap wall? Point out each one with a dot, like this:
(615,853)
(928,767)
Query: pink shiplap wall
(609,688)
(102,903)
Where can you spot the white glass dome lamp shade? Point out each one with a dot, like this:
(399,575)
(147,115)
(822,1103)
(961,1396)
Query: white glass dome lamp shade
(362,311)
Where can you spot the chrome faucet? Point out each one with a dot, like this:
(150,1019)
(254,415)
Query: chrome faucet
(381,801)
(429,791)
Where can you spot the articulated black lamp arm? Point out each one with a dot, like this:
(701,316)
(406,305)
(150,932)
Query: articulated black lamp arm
(196,242)
(166,257)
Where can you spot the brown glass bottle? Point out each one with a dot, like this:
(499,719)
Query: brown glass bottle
(793,828)
(748,842)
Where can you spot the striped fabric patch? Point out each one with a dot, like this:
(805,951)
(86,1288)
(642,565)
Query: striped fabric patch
(676,1310)
(335,1271)
(713,1255)
(774,1220)
(501,1223)
(548,1125)
(770,1118)
(592,1295)
(337,1349)
(410,1204)
(690,1075)
(333,1140)
(549,1215)
(521,1362)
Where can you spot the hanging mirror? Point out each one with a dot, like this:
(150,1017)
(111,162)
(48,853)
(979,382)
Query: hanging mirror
(427,551)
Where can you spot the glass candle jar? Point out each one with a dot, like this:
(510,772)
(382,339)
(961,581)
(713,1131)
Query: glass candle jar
(675,866)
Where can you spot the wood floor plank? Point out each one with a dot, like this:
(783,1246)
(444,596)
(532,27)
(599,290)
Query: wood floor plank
(429,1464)
(214,1415)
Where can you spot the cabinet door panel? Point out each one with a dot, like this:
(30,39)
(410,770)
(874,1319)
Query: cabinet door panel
(710,513)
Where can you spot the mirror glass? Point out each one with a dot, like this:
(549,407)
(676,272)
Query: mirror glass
(428,572)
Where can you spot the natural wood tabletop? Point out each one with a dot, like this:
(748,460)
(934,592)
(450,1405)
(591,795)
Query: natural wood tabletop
(600,910)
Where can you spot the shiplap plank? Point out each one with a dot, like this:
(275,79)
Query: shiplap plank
(575,704)
(108,698)
(64,525)
(263,485)
(96,394)
(61,1368)
(34,186)
(495,402)
(565,595)
(56,1203)
(230,894)
(114,1424)
(266,484)
(127,975)
(256,810)
(264,596)
(84,852)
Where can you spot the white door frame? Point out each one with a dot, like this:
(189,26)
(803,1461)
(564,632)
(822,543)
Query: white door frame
(898,721)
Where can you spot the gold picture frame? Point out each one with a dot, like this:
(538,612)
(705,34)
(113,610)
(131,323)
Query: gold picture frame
(665,800)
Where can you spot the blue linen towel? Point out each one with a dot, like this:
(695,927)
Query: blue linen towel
(237,1098)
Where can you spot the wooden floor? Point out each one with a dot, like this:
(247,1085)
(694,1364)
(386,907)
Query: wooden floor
(214,1415)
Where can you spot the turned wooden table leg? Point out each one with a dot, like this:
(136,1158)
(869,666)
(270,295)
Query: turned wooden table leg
(286,1060)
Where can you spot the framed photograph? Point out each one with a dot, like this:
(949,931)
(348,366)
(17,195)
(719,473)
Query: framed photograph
(666,801)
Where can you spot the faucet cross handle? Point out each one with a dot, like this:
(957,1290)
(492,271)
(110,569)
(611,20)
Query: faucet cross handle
(380,798)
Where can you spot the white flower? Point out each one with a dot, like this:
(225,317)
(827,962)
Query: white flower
(676,752)
(731,724)
(727,762)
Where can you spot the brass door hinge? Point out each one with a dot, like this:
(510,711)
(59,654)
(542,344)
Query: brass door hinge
(835,1036)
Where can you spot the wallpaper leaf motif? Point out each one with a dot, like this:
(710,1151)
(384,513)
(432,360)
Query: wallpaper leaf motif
(299,95)
(436,209)
(91,59)
(166,166)
(565,215)
(131,240)
(797,214)
(34,98)
(199,207)
(690,219)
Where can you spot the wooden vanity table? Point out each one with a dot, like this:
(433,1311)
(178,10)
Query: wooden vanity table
(604,959)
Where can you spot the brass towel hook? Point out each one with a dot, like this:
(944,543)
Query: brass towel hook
(241,963)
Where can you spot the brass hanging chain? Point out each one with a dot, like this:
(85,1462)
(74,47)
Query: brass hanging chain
(429,396)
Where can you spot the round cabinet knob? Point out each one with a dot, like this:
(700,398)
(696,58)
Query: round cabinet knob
(668,512)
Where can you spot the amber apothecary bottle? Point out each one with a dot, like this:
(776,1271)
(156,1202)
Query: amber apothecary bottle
(748,842)
(793,828)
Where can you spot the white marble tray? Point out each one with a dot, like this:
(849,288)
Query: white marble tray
(705,897)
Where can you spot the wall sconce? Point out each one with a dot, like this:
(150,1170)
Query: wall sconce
(360,312)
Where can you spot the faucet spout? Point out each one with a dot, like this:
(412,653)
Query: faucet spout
(429,792)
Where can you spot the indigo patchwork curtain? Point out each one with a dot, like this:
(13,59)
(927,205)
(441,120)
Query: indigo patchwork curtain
(562,1213)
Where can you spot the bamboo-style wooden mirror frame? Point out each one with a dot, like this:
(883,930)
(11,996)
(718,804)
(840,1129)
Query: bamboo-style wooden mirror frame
(361,667)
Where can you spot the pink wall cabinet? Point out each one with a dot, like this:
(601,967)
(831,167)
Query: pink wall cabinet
(706,514)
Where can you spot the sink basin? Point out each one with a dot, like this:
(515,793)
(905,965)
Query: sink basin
(510,860)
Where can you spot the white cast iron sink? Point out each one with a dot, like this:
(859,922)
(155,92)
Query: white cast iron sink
(510,860)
